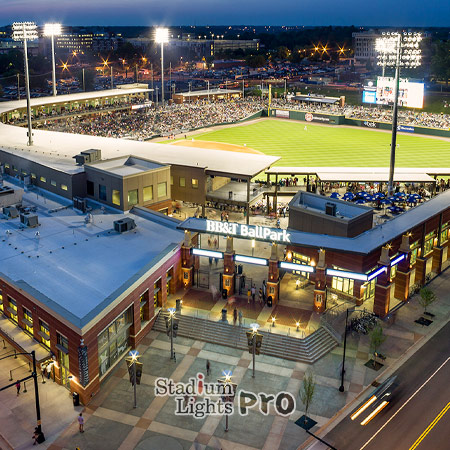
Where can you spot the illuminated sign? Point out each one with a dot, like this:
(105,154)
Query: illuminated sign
(250,260)
(247,231)
(409,94)
(293,266)
(344,274)
(208,253)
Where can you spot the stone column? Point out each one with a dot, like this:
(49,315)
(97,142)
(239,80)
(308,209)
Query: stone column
(320,288)
(358,292)
(383,286)
(187,261)
(421,266)
(402,278)
(228,267)
(437,259)
(273,279)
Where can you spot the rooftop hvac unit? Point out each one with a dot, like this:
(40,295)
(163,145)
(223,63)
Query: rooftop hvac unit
(11,212)
(123,225)
(330,209)
(88,156)
(80,203)
(29,220)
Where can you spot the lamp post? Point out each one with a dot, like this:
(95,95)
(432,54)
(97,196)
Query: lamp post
(254,340)
(26,31)
(172,329)
(162,37)
(228,396)
(397,50)
(52,30)
(341,387)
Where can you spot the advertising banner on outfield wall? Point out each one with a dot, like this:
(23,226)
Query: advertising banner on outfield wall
(405,128)
(370,124)
(282,113)
(309,117)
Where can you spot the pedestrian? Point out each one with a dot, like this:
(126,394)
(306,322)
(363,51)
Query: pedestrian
(208,367)
(18,387)
(253,293)
(260,295)
(264,290)
(240,318)
(174,356)
(36,436)
(249,294)
(81,423)
(234,315)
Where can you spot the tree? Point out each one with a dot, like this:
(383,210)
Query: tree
(283,53)
(427,297)
(440,61)
(307,390)
(376,339)
(256,61)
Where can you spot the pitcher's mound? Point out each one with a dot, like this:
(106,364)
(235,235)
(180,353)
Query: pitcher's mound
(216,146)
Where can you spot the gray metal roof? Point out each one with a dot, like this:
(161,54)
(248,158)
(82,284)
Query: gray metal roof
(57,149)
(66,98)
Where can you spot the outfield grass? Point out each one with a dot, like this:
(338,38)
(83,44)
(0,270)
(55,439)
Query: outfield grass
(333,145)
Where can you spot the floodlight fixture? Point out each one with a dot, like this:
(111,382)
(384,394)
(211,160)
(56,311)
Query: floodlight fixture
(162,35)
(52,29)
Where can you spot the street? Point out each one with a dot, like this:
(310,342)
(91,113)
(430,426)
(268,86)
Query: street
(416,417)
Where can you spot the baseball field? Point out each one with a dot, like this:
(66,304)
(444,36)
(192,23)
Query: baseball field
(320,145)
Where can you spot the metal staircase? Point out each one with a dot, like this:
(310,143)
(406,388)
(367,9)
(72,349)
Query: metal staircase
(307,350)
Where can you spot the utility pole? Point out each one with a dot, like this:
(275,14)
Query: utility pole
(112,78)
(36,396)
(153,92)
(137,81)
(18,86)
(84,81)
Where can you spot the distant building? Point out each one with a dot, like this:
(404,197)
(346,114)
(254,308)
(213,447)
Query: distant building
(364,46)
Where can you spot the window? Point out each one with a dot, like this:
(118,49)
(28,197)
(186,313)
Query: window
(162,189)
(428,245)
(148,193)
(171,180)
(90,188)
(43,179)
(116,197)
(12,309)
(113,341)
(143,306)
(195,183)
(344,285)
(414,249)
(102,192)
(369,290)
(6,166)
(44,332)
(1,302)
(64,187)
(393,272)
(53,182)
(444,232)
(28,320)
(182,182)
(132,197)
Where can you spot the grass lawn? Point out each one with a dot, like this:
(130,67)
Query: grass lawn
(333,145)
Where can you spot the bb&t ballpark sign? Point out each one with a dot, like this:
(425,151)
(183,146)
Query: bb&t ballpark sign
(247,231)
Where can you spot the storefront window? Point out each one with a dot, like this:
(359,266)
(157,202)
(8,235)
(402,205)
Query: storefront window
(113,341)
(414,249)
(156,293)
(143,300)
(298,258)
(393,271)
(428,247)
(344,285)
(444,233)
(369,289)
(1,302)
(63,358)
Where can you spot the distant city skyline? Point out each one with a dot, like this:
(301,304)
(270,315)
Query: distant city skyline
(402,13)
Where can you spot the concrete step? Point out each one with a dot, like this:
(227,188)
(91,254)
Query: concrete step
(307,350)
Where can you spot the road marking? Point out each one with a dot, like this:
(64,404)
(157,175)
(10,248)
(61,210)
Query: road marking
(407,401)
(430,427)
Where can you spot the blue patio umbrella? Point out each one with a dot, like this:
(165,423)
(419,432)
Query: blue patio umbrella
(334,195)
(370,198)
(392,199)
(360,201)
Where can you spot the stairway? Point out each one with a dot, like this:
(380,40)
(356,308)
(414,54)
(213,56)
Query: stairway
(307,350)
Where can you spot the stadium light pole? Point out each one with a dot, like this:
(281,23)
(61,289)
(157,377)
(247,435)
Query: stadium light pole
(26,31)
(397,50)
(52,30)
(162,37)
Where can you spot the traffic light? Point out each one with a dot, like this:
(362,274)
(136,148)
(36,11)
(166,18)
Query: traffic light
(175,326)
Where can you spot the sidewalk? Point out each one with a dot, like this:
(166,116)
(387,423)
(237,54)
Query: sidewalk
(113,423)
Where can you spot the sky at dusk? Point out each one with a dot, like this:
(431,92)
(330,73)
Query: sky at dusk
(229,12)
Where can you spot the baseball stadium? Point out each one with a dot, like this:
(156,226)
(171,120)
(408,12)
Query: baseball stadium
(216,203)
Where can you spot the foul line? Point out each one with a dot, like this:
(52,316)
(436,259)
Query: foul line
(430,427)
(407,401)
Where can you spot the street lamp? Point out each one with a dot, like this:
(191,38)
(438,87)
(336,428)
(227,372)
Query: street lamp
(134,366)
(26,31)
(52,30)
(172,329)
(228,396)
(397,50)
(254,340)
(162,37)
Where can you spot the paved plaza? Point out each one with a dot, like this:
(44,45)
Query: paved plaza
(113,423)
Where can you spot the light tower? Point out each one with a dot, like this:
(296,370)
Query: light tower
(52,30)
(26,31)
(162,37)
(397,50)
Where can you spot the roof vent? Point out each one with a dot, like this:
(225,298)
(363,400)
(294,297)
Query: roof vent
(29,220)
(330,209)
(88,156)
(123,225)
(11,212)
(80,203)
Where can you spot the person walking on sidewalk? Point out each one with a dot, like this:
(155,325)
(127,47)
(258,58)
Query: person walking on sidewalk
(253,293)
(260,295)
(235,315)
(240,318)
(18,387)
(249,294)
(208,367)
(81,423)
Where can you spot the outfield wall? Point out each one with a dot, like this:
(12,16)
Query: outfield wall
(332,119)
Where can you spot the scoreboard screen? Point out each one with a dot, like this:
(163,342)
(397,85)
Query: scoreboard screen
(409,94)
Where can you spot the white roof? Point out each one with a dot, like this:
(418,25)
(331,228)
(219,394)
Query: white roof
(365,173)
(57,150)
(77,269)
(78,97)
(210,92)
